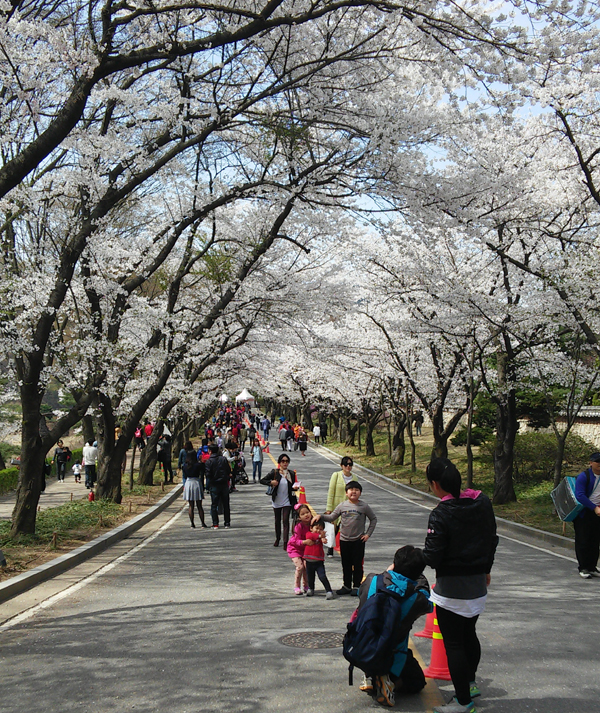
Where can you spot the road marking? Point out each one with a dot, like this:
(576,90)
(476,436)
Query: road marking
(23,616)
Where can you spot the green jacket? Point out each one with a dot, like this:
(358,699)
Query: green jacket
(337,490)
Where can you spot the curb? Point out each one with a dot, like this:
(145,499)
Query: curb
(22,582)
(504,526)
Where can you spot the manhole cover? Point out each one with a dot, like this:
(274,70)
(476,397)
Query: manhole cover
(313,640)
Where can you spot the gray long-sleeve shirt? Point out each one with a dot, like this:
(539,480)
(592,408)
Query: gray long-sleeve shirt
(352,519)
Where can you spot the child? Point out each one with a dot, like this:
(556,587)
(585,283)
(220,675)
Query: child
(295,548)
(77,472)
(314,557)
(405,578)
(352,513)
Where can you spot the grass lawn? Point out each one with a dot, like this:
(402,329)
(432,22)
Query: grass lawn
(533,507)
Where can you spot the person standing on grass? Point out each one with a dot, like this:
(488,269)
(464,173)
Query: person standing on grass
(587,523)
(460,545)
(353,514)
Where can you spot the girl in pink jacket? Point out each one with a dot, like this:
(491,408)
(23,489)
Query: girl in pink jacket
(295,548)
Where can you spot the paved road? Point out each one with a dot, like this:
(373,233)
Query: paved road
(191,621)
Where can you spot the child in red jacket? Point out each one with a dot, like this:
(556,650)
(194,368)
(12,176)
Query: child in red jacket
(314,557)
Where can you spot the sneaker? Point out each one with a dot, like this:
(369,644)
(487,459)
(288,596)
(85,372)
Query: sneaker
(474,689)
(330,595)
(227,527)
(310,592)
(354,592)
(455,707)
(584,574)
(366,685)
(343,590)
(298,591)
(384,691)
(330,552)
(215,527)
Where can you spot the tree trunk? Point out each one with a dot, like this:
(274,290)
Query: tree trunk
(308,422)
(350,432)
(87,429)
(358,433)
(148,458)
(131,466)
(560,454)
(440,439)
(506,431)
(33,456)
(2,463)
(398,441)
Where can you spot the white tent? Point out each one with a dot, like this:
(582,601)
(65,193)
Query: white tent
(224,398)
(246,397)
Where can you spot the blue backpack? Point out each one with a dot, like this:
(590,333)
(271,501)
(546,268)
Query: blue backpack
(372,638)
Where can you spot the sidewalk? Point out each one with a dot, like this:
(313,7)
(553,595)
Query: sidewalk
(56,493)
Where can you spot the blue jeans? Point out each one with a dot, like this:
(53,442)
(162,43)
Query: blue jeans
(256,468)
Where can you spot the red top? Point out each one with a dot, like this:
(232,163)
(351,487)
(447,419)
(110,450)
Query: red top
(314,552)
(148,428)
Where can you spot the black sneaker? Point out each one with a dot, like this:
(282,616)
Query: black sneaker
(343,590)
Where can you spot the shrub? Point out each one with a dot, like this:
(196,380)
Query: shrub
(479,435)
(535,454)
(8,479)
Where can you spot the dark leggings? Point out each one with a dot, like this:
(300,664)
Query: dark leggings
(318,568)
(463,650)
(282,514)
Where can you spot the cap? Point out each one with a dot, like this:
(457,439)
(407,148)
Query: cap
(595,458)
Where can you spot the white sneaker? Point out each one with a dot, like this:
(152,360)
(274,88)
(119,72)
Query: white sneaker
(310,592)
(330,595)
(584,574)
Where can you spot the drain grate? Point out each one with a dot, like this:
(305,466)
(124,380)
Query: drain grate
(313,640)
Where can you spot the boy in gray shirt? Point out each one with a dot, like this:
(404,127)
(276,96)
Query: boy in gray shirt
(353,513)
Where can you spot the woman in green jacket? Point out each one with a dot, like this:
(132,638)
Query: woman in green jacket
(337,490)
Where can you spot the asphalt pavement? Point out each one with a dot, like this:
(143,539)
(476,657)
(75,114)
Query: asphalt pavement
(193,620)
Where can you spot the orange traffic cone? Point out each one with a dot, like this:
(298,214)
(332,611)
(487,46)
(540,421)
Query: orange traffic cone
(438,667)
(302,496)
(427,632)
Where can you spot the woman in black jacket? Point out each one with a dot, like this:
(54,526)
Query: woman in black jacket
(460,545)
(281,480)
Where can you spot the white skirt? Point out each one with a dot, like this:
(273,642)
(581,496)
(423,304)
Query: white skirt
(192,490)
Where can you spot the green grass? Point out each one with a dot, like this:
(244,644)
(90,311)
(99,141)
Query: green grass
(533,507)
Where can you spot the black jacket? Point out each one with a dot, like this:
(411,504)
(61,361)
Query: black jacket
(217,471)
(461,537)
(276,475)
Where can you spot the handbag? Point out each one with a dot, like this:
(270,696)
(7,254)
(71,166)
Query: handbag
(269,490)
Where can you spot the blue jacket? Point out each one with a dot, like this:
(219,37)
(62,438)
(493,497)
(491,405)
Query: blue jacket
(583,489)
(413,606)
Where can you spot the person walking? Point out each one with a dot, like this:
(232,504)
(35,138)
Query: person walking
(89,457)
(217,476)
(460,545)
(256,452)
(282,435)
(61,455)
(193,490)
(587,523)
(164,456)
(317,432)
(281,480)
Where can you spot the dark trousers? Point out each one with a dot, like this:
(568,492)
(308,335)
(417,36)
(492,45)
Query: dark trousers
(317,568)
(168,471)
(90,476)
(282,515)
(352,553)
(587,539)
(61,469)
(463,650)
(219,495)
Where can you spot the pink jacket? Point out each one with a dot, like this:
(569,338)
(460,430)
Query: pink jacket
(295,547)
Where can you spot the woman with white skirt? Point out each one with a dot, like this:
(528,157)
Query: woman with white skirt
(193,491)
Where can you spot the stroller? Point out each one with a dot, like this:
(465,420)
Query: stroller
(239,475)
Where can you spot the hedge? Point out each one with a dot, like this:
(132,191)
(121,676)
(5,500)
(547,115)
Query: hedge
(9,477)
